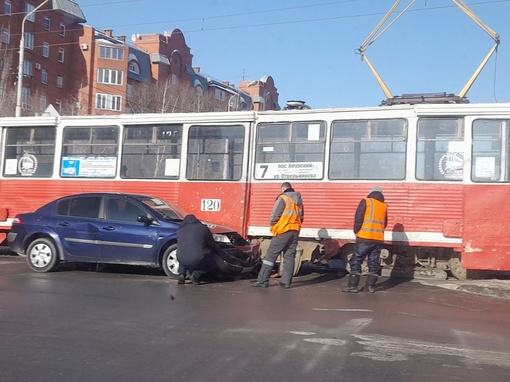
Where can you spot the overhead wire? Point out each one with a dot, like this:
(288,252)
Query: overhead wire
(237,15)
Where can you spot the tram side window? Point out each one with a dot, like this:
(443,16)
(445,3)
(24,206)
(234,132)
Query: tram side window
(215,152)
(29,151)
(151,152)
(89,152)
(368,149)
(290,150)
(490,151)
(440,149)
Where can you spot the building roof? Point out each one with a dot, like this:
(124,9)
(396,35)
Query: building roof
(143,61)
(70,8)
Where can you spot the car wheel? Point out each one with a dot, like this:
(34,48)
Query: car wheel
(169,262)
(42,255)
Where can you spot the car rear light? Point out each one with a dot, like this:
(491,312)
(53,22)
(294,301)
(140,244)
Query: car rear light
(17,220)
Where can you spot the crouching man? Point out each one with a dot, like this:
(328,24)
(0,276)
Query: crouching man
(195,250)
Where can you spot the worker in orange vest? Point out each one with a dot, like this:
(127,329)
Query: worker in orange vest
(370,220)
(285,221)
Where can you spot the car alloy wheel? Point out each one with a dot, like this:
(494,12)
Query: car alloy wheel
(42,255)
(169,262)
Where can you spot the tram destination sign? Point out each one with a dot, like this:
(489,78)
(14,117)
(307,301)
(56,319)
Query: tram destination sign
(289,170)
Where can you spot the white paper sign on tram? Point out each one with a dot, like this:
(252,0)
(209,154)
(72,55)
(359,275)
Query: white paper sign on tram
(287,170)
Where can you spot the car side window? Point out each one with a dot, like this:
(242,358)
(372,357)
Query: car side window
(87,207)
(63,207)
(123,210)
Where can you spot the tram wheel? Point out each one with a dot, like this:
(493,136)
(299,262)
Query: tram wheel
(461,273)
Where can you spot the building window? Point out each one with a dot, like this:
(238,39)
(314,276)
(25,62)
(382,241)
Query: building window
(60,81)
(108,102)
(7,7)
(175,79)
(46,49)
(5,65)
(29,41)
(62,29)
(25,96)
(60,54)
(29,8)
(129,89)
(111,53)
(58,105)
(46,23)
(44,76)
(27,68)
(42,103)
(219,94)
(109,76)
(133,67)
(6,35)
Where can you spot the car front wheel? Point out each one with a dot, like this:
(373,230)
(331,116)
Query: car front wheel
(42,255)
(169,262)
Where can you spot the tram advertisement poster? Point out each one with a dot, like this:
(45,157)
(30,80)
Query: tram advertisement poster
(288,170)
(88,167)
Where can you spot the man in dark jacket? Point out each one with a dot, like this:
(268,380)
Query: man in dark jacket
(285,221)
(370,220)
(195,249)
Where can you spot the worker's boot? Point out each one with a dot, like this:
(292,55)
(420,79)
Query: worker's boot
(263,277)
(370,285)
(352,285)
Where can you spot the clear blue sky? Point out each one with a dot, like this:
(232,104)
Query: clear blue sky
(309,46)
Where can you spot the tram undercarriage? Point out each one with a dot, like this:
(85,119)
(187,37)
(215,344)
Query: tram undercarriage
(416,262)
(396,260)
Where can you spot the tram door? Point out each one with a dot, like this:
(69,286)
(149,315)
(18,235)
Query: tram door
(486,225)
(216,171)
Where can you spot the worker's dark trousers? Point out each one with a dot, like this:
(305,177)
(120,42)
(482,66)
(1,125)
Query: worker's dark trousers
(287,243)
(362,249)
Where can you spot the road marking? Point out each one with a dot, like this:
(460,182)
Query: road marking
(342,310)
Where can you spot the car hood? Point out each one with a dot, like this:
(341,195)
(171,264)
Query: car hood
(217,228)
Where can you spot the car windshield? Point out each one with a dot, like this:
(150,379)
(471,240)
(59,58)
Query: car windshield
(168,211)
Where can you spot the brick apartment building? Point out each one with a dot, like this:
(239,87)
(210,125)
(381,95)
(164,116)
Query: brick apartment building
(80,70)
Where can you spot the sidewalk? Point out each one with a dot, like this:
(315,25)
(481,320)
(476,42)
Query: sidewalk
(498,287)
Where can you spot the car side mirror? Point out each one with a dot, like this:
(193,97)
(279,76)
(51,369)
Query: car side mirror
(144,219)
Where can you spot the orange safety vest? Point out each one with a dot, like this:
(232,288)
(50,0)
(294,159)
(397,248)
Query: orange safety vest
(373,221)
(289,220)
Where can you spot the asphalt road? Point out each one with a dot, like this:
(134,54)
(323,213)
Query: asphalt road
(130,324)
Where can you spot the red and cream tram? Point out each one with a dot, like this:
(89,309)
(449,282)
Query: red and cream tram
(444,170)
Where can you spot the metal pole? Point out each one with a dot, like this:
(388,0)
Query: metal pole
(22,57)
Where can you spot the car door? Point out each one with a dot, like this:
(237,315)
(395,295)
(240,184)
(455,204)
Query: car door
(77,225)
(122,238)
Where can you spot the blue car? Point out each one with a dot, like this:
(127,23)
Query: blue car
(116,228)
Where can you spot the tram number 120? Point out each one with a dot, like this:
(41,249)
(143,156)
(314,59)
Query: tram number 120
(211,205)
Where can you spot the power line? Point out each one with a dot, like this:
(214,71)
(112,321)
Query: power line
(306,20)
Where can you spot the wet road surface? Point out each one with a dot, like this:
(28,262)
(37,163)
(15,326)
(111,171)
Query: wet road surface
(125,324)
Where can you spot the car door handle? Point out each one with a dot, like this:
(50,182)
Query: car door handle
(109,228)
(64,224)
